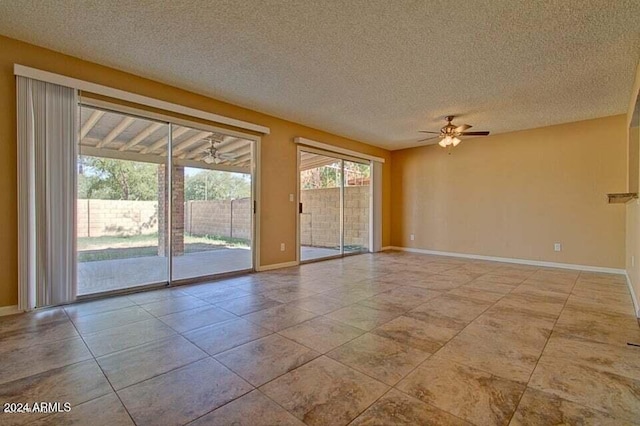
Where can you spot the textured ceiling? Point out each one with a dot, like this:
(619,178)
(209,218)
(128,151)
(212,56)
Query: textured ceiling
(373,70)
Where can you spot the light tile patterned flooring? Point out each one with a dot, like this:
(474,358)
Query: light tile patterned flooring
(391,338)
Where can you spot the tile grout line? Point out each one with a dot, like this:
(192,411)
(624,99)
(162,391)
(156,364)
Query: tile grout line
(275,279)
(470,322)
(394,387)
(454,336)
(136,346)
(544,347)
(101,370)
(403,345)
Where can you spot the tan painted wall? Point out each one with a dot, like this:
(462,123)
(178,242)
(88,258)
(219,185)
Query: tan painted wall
(633,207)
(278,172)
(516,194)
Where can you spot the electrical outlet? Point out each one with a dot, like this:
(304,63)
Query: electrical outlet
(291,197)
(557,247)
(413,237)
(281,246)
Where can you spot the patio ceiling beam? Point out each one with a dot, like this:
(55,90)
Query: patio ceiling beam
(121,127)
(315,163)
(191,141)
(227,146)
(177,132)
(233,146)
(141,136)
(194,152)
(246,163)
(158,159)
(91,121)
(213,166)
(228,141)
(243,154)
(310,165)
(121,155)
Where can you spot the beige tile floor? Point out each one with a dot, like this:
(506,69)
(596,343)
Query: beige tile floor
(391,338)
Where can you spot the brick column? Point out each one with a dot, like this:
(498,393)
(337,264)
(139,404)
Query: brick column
(177,230)
(177,216)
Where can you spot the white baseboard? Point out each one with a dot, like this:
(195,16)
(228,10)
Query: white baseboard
(518,261)
(277,266)
(634,297)
(9,310)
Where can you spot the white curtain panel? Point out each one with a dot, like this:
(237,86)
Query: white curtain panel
(47,141)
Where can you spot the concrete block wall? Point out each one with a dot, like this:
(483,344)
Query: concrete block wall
(226,218)
(98,218)
(319,223)
(320,219)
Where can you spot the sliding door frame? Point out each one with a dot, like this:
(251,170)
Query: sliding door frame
(255,190)
(342,158)
(114,108)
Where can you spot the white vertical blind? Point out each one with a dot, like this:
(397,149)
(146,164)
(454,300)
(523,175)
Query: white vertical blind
(47,135)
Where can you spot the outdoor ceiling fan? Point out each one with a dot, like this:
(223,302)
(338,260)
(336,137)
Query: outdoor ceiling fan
(450,133)
(214,155)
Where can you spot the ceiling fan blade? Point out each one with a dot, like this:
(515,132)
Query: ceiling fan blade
(425,131)
(474,133)
(428,139)
(463,127)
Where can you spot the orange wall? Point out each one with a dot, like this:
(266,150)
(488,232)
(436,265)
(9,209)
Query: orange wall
(278,173)
(514,195)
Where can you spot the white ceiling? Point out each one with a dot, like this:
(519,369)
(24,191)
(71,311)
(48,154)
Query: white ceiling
(374,70)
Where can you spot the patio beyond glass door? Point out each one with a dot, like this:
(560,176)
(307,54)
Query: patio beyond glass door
(334,215)
(212,216)
(159,203)
(121,202)
(357,199)
(320,206)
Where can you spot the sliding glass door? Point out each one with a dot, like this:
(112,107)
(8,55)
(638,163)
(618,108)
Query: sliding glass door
(334,206)
(121,203)
(212,204)
(159,202)
(320,206)
(357,211)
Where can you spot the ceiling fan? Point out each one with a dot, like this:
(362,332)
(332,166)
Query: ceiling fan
(214,155)
(450,133)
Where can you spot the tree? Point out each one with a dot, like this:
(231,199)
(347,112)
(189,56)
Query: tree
(216,185)
(328,176)
(110,179)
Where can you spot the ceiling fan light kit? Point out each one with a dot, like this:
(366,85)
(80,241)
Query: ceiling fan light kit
(448,140)
(450,134)
(214,155)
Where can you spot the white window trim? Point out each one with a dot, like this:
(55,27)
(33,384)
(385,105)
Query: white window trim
(134,97)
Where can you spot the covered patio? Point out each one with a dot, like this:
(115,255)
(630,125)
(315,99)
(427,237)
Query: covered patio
(118,274)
